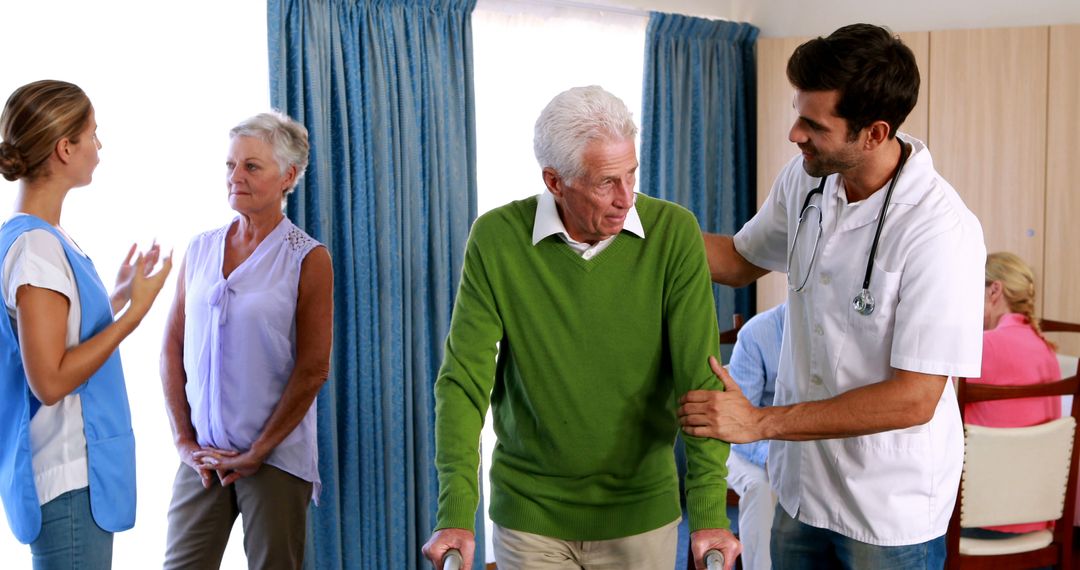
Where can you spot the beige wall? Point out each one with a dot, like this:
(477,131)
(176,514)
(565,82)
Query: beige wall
(1061,252)
(988,130)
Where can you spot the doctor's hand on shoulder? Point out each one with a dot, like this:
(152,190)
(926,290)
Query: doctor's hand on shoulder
(725,415)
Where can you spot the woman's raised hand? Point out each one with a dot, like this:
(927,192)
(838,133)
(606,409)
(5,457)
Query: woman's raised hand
(145,286)
(122,292)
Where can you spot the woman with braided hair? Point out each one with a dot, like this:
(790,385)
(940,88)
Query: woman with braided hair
(1014,352)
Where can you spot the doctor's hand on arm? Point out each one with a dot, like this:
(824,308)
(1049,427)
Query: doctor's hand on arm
(720,539)
(725,415)
(905,400)
(445,539)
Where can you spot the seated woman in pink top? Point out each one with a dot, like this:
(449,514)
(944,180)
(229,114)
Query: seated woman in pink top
(1014,352)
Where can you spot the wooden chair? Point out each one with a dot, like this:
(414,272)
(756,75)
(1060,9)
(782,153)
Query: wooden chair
(998,462)
(1048,325)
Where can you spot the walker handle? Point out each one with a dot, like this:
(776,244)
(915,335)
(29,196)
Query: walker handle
(714,560)
(452,560)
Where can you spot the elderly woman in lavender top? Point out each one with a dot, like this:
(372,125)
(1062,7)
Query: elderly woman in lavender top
(247,348)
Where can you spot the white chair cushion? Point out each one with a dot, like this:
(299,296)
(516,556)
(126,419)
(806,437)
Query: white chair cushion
(1068,365)
(1068,370)
(1025,542)
(1015,475)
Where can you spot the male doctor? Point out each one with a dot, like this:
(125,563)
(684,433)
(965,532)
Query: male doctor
(885,275)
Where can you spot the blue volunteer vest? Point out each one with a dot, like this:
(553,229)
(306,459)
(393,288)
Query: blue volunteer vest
(110,444)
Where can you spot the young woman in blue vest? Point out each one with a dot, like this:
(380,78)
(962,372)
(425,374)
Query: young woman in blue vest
(67,454)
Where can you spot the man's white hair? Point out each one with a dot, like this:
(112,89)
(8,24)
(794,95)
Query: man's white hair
(572,120)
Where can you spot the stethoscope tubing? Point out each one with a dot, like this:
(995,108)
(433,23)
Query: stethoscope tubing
(864,300)
(905,151)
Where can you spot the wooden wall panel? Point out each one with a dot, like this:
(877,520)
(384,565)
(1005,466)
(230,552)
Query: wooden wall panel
(918,122)
(776,115)
(988,97)
(1061,284)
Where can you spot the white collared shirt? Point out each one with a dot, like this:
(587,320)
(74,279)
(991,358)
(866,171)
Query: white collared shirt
(548,222)
(896,487)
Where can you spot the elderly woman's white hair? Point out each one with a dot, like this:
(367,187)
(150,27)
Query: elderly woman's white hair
(573,119)
(287,138)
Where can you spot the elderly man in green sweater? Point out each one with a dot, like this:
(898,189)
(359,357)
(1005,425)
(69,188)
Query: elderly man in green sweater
(583,314)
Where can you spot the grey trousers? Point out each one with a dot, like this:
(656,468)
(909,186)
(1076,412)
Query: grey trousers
(273,505)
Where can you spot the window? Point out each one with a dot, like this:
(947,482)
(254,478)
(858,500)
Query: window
(167,81)
(523,55)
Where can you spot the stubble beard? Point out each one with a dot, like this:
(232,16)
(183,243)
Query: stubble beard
(826,164)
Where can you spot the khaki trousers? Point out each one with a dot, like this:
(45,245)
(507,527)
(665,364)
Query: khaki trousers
(646,551)
(274,507)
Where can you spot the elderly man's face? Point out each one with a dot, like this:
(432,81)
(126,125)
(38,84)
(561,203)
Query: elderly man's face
(594,206)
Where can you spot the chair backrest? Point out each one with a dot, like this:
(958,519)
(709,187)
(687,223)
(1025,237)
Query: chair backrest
(1038,456)
(1067,362)
(1017,475)
(731,335)
(1050,325)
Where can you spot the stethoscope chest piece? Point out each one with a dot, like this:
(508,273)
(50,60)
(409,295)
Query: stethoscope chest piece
(863,303)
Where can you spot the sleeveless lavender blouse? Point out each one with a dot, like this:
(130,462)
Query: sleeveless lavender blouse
(240,344)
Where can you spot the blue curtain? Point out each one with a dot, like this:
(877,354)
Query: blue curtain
(385,89)
(698,127)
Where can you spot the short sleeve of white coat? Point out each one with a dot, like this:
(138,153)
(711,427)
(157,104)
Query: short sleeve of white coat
(763,240)
(939,316)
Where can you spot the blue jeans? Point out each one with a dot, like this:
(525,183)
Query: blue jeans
(799,546)
(69,536)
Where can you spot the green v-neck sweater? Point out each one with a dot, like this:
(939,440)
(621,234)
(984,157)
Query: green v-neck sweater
(583,362)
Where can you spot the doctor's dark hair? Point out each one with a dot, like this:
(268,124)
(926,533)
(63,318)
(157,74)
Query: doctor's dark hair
(872,69)
(35,117)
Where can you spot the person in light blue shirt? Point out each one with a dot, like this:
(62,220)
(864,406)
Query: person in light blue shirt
(753,365)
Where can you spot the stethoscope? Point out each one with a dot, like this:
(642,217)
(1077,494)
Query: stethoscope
(863,303)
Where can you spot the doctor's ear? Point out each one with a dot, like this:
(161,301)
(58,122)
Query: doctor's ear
(877,134)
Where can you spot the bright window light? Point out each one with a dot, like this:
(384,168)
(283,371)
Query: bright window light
(168,81)
(523,55)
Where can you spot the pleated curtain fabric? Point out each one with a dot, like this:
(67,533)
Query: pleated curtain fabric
(698,127)
(385,88)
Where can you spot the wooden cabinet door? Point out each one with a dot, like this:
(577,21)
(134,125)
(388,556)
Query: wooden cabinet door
(988,92)
(1061,274)
(775,115)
